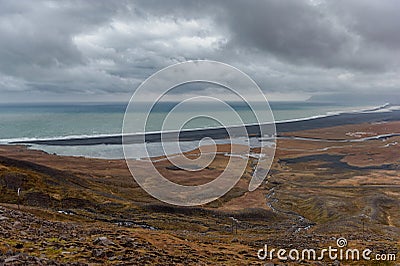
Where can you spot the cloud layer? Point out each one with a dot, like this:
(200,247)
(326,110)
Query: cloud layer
(102,50)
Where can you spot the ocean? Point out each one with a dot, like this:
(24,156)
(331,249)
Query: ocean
(23,122)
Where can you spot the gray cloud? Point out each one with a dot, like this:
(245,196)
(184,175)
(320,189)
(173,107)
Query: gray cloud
(92,48)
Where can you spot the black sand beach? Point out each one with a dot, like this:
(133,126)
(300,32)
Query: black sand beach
(222,133)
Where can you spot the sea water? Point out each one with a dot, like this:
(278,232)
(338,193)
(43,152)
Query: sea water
(68,120)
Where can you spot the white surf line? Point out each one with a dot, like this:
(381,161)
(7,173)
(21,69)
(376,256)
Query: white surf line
(381,108)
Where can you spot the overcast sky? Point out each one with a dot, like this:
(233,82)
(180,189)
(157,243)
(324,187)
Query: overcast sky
(102,50)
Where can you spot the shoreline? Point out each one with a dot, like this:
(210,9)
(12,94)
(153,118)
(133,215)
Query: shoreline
(222,133)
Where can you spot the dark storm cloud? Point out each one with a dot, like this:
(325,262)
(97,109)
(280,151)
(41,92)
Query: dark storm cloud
(302,33)
(357,34)
(374,21)
(40,33)
(292,30)
(36,44)
(105,47)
